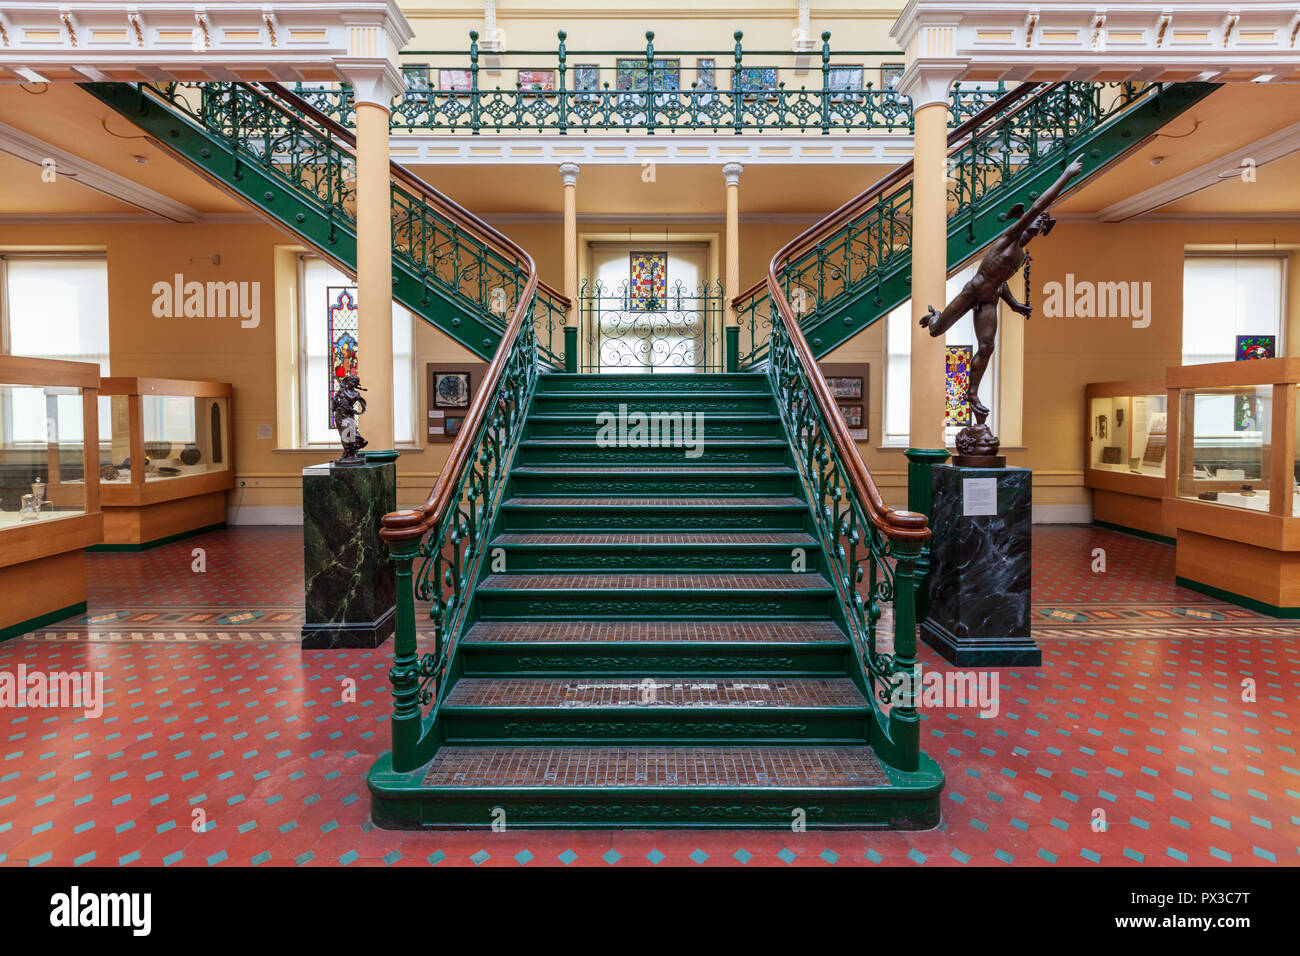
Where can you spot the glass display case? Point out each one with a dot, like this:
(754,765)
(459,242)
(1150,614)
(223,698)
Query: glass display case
(49,490)
(1231,489)
(1126,454)
(1225,433)
(165,460)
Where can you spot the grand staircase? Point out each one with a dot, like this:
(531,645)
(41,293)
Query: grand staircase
(656,641)
(621,634)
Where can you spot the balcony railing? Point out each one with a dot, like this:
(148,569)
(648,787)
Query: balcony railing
(648,91)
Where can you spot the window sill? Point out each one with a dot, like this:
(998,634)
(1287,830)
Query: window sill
(336,450)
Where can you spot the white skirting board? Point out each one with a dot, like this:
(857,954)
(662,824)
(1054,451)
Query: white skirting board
(264,514)
(1063,514)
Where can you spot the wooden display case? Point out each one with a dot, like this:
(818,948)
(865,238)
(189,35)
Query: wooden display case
(1125,455)
(49,489)
(166,463)
(1231,490)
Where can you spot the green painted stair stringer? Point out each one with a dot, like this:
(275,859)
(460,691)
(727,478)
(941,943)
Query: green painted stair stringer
(296,209)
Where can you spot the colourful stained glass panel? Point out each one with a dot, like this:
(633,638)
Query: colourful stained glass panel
(1256,347)
(649,281)
(343,326)
(957,359)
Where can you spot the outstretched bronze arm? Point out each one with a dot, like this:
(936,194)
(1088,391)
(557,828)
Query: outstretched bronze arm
(1047,198)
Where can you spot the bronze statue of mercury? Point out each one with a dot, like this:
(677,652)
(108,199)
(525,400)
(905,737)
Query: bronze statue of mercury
(983,293)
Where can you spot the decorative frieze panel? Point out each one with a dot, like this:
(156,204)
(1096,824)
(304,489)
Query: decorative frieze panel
(1205,40)
(287,40)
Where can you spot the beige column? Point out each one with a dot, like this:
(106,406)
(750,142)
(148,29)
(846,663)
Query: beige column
(371,65)
(569,173)
(929,270)
(375,274)
(731,286)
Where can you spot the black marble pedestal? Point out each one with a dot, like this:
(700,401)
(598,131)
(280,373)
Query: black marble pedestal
(980,568)
(351,583)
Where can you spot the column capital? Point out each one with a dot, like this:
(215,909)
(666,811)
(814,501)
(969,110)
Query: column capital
(731,173)
(927,81)
(372,65)
(930,39)
(569,172)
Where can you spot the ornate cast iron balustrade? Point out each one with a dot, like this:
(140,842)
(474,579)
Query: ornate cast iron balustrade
(871,550)
(440,247)
(676,331)
(440,547)
(571,91)
(868,242)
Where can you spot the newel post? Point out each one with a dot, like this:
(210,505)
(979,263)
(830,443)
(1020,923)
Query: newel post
(904,722)
(401,529)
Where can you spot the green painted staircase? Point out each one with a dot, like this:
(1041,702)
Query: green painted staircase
(297,167)
(653,639)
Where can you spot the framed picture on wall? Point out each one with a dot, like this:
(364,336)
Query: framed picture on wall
(845,386)
(537,81)
(456,81)
(449,391)
(848,383)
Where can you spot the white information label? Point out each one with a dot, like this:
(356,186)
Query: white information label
(979,496)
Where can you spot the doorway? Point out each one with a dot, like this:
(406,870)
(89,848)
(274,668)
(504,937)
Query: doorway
(649,306)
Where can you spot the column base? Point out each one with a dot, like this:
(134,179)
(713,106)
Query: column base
(982,651)
(351,634)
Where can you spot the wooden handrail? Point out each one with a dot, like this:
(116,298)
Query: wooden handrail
(836,220)
(906,526)
(411,523)
(446,204)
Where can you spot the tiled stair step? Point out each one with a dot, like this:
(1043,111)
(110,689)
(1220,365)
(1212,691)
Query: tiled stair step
(655,767)
(665,786)
(770,480)
(708,452)
(658,382)
(702,596)
(656,708)
(638,513)
(712,426)
(790,648)
(684,400)
(581,550)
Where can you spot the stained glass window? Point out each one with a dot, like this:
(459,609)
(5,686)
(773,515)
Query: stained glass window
(342,337)
(957,359)
(649,282)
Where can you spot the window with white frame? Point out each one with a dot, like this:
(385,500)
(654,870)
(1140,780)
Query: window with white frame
(319,285)
(1225,296)
(898,365)
(53,306)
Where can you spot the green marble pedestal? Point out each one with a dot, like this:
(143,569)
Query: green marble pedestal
(351,583)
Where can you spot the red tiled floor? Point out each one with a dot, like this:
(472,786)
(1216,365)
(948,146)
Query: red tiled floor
(262,738)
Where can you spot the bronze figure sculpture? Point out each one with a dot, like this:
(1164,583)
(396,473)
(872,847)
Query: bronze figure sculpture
(982,294)
(344,406)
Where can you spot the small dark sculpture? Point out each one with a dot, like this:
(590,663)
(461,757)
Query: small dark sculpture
(344,407)
(982,294)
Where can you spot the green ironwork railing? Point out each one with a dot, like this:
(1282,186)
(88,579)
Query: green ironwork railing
(860,254)
(439,548)
(863,541)
(717,91)
(630,331)
(443,255)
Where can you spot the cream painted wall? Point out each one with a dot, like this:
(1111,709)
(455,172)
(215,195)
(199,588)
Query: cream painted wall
(531,24)
(219,349)
(1061,355)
